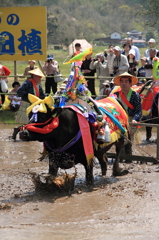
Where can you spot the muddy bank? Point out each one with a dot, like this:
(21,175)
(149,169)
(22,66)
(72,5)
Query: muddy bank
(114,208)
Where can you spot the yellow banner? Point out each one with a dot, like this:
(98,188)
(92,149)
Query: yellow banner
(23,33)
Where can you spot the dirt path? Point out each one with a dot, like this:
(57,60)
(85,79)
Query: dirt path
(114,208)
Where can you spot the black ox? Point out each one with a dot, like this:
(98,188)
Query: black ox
(59,137)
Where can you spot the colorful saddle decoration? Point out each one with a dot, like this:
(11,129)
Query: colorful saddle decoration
(115,116)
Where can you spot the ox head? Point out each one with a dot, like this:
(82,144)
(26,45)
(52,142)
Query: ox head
(40,109)
(43,118)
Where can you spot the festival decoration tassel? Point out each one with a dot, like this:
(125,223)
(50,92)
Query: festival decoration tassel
(80,56)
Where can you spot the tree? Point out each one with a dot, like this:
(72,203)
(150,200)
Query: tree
(6,3)
(52,27)
(150,11)
(149,35)
(31,2)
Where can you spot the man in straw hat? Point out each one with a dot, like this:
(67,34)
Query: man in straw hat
(131,101)
(33,87)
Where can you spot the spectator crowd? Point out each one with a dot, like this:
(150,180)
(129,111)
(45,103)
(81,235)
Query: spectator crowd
(106,65)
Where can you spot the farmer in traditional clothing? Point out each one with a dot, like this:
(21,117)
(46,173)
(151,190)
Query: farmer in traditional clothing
(131,101)
(31,86)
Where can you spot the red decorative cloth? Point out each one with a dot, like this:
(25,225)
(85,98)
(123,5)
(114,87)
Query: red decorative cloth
(35,87)
(85,132)
(44,130)
(6,71)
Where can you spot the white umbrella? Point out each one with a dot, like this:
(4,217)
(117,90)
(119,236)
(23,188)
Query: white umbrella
(84,45)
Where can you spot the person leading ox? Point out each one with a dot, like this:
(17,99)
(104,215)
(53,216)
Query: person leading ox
(131,101)
(33,87)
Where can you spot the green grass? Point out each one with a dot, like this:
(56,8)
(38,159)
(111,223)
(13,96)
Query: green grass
(7,117)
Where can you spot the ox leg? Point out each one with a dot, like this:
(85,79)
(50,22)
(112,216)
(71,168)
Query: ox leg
(117,171)
(89,174)
(102,158)
(148,133)
(52,169)
(15,132)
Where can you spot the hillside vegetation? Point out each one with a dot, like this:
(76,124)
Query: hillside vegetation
(89,19)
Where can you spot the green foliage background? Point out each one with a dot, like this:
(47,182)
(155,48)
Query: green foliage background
(90,19)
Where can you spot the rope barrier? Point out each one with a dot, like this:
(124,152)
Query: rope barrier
(66,76)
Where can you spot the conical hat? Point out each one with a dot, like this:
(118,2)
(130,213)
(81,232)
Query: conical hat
(134,79)
(37,72)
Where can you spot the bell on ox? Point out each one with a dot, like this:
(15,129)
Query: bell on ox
(103,132)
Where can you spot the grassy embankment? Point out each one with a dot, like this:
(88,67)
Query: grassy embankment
(7,116)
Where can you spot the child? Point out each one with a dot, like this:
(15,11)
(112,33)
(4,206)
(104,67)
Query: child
(15,100)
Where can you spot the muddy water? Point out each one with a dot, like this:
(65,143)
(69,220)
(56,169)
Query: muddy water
(114,208)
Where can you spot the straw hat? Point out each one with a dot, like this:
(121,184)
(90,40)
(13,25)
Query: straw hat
(134,80)
(37,72)
(32,61)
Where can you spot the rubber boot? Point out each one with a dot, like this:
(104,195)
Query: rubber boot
(16,131)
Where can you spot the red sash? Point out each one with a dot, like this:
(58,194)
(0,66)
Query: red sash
(124,99)
(33,127)
(35,87)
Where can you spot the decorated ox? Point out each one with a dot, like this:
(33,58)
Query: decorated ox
(149,98)
(69,134)
(149,93)
(150,104)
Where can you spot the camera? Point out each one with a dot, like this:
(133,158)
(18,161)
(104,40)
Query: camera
(48,60)
(95,59)
(115,70)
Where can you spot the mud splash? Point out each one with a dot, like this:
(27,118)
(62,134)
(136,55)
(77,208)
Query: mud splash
(114,208)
